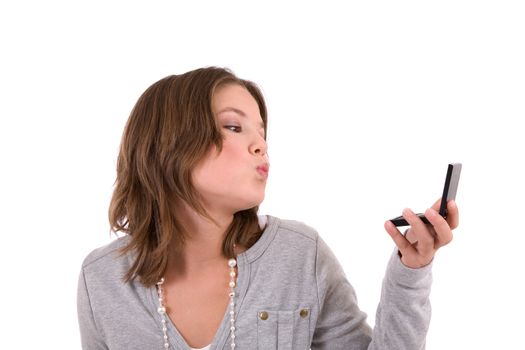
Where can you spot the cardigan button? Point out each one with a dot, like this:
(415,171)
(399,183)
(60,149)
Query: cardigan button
(304,313)
(263,315)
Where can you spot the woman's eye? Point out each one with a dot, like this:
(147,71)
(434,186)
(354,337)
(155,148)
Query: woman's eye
(233,128)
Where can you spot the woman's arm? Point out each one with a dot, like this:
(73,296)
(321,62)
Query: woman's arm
(89,333)
(403,314)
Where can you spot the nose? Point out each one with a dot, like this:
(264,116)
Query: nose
(259,147)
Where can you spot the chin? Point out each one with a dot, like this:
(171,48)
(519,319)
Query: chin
(253,202)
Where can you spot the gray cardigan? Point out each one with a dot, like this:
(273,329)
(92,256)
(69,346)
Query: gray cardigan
(290,275)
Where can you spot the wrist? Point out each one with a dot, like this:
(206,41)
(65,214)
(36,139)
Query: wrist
(414,263)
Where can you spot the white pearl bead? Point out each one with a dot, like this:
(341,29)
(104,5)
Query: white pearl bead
(232,262)
(232,284)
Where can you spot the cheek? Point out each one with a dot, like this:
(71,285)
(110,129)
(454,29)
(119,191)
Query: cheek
(231,152)
(221,167)
(231,155)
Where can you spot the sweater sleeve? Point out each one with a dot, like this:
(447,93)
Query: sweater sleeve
(403,313)
(90,336)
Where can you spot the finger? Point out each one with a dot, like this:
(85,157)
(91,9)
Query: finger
(423,236)
(410,236)
(437,205)
(443,233)
(453,214)
(401,242)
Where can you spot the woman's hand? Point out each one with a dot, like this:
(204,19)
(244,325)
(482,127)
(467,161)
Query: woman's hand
(421,241)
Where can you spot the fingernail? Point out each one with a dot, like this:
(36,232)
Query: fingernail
(407,211)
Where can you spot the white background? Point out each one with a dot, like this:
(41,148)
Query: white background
(368,102)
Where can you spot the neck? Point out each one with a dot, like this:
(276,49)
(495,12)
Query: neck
(203,244)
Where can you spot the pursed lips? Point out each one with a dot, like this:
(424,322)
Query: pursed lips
(263,169)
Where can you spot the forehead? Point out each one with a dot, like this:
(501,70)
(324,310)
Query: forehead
(235,98)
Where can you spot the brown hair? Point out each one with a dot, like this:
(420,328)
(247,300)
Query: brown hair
(170,129)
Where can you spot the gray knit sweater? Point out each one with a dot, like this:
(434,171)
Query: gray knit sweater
(290,276)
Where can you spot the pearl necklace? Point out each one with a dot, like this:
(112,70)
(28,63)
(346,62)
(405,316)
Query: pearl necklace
(162,309)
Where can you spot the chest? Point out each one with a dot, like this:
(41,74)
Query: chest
(197,310)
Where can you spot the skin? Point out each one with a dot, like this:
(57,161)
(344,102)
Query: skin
(227,181)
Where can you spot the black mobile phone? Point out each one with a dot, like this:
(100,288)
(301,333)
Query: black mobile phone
(449,192)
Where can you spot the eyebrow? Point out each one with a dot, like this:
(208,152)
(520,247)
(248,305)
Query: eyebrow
(239,112)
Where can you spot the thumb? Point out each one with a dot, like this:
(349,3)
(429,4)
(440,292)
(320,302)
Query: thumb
(401,242)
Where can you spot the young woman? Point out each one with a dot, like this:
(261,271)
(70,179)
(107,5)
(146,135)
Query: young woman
(198,268)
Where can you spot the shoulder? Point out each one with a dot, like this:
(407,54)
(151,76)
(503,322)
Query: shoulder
(296,235)
(297,228)
(285,237)
(107,258)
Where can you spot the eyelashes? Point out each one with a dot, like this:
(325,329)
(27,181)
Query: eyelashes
(238,129)
(233,128)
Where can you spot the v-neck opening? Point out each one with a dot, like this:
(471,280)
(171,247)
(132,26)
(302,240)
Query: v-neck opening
(244,269)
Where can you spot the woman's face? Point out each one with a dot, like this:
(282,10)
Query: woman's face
(235,178)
